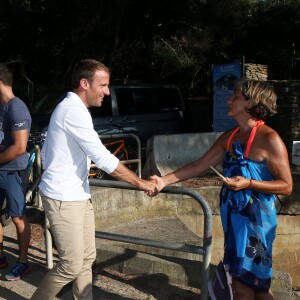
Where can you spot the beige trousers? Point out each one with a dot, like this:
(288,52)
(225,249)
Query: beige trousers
(72,225)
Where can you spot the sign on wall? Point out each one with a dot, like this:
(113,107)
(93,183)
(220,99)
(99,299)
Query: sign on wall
(224,78)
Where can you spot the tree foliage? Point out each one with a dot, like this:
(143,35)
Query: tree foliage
(150,41)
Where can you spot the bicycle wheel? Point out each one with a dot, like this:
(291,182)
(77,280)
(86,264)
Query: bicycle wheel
(133,154)
(5,219)
(30,177)
(100,174)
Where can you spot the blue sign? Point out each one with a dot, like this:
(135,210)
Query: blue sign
(224,78)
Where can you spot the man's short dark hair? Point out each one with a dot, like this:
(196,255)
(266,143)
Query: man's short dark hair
(6,75)
(86,68)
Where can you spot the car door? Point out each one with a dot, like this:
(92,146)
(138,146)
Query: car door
(150,110)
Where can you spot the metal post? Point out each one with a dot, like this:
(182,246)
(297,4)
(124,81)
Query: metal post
(48,242)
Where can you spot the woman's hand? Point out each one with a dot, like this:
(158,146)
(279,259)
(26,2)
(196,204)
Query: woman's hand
(159,185)
(238,183)
(150,187)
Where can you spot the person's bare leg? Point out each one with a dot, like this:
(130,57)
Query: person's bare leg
(242,292)
(23,235)
(264,296)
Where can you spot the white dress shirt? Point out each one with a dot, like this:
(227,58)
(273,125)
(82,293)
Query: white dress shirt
(70,145)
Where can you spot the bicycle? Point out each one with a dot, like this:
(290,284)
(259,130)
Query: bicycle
(120,146)
(32,175)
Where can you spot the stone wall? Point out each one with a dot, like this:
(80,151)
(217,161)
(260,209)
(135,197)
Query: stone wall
(287,120)
(256,71)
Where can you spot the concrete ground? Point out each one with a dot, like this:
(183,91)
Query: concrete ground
(108,285)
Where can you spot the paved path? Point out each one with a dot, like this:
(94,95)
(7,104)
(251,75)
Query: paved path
(108,285)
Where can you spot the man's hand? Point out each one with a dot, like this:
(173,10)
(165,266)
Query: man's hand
(159,185)
(150,187)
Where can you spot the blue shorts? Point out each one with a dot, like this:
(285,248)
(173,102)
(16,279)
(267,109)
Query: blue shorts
(11,188)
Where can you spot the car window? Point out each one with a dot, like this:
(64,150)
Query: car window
(145,101)
(169,99)
(126,101)
(142,100)
(136,101)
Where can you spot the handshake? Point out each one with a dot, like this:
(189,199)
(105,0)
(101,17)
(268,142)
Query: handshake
(153,186)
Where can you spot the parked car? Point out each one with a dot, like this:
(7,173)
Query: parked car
(143,110)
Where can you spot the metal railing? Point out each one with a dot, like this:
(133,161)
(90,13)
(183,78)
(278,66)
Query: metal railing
(204,250)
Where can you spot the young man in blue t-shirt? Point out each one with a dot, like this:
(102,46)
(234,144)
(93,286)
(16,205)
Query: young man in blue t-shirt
(15,122)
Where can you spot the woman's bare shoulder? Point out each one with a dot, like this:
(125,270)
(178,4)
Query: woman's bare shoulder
(269,136)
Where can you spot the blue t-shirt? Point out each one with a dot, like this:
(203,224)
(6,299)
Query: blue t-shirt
(14,115)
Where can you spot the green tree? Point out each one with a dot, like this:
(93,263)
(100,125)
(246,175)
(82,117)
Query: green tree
(150,41)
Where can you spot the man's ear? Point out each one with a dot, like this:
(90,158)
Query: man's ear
(84,83)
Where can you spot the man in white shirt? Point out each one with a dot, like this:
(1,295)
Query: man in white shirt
(70,145)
